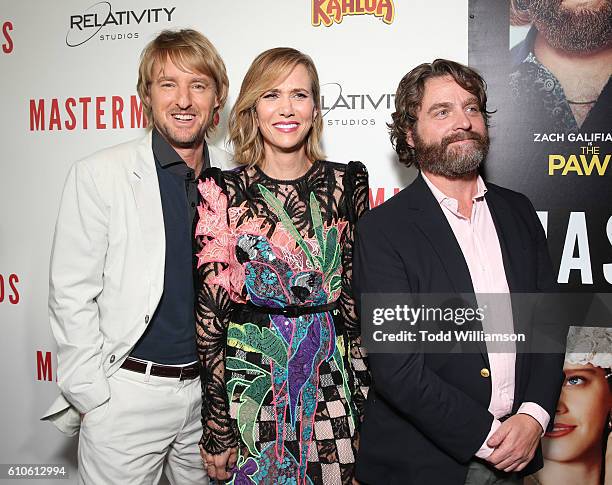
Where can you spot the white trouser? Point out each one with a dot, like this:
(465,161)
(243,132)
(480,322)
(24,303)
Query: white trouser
(149,424)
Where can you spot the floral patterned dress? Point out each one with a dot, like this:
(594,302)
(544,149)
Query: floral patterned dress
(285,374)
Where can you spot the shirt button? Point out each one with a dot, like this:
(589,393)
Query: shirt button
(484,372)
(112,358)
(146,318)
(193,204)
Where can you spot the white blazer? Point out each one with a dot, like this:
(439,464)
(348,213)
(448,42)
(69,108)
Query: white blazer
(107,271)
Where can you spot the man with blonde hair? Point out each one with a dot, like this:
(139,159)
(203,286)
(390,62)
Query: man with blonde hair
(121,291)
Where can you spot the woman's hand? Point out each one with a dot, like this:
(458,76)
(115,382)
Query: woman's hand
(219,467)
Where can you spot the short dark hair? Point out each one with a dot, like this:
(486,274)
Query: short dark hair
(409,96)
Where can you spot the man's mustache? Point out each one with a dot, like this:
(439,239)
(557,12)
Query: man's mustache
(447,140)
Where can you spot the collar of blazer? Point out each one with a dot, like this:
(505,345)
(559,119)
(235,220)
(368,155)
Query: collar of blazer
(430,218)
(144,163)
(145,188)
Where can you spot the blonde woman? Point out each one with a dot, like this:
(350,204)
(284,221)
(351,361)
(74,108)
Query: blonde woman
(277,330)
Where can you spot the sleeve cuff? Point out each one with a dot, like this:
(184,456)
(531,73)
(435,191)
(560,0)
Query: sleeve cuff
(536,412)
(87,397)
(485,450)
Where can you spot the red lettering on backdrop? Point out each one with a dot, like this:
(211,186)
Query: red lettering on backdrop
(328,11)
(136,114)
(85,101)
(57,114)
(54,119)
(117,112)
(8,287)
(8,46)
(13,280)
(370,6)
(100,112)
(37,115)
(319,14)
(380,196)
(70,103)
(44,368)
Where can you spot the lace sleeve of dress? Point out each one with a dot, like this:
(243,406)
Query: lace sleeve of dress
(213,307)
(356,198)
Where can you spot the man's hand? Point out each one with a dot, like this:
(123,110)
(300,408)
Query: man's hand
(219,466)
(515,442)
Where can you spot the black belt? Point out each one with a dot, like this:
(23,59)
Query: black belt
(292,311)
(190,371)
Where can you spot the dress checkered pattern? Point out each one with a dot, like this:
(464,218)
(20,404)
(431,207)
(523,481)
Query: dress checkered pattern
(332,455)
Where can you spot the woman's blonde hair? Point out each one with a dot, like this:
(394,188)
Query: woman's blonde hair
(188,50)
(265,72)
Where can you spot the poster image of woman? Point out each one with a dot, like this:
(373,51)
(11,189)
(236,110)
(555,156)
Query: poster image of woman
(575,450)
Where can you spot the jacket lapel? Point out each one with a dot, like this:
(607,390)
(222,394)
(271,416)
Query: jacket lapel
(220,158)
(512,247)
(145,187)
(435,226)
(508,233)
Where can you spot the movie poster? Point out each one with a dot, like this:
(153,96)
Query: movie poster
(548,64)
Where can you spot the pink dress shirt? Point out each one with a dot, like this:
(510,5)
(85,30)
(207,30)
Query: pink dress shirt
(477,238)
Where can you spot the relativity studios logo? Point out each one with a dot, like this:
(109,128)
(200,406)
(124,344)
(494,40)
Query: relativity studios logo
(86,25)
(327,12)
(343,106)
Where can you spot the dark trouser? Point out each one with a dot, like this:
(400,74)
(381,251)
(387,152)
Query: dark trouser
(481,474)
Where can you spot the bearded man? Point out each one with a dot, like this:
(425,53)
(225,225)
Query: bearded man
(563,67)
(453,418)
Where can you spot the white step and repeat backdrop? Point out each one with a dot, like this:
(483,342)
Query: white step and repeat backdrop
(68,87)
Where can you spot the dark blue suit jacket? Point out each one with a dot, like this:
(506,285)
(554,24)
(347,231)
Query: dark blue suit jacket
(427,414)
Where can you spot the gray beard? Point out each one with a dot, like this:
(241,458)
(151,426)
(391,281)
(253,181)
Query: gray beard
(573,30)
